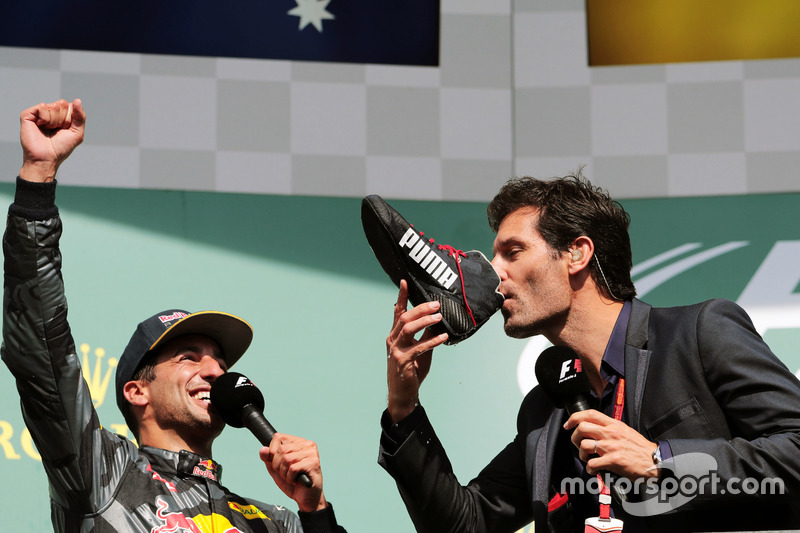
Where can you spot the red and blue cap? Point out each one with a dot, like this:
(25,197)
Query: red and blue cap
(229,331)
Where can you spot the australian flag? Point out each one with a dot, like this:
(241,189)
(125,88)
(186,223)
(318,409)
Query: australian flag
(400,32)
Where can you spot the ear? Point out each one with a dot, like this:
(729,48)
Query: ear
(579,254)
(136,393)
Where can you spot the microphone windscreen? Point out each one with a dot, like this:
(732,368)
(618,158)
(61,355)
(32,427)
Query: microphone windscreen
(230,393)
(560,373)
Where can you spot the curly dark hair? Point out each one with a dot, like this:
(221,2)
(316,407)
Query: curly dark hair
(571,207)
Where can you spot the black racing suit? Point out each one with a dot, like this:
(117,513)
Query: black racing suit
(100,481)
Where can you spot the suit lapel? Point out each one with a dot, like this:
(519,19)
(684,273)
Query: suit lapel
(543,447)
(637,358)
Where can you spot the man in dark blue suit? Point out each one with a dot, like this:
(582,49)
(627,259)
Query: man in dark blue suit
(690,408)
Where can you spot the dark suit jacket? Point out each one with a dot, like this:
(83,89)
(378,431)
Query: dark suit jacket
(699,377)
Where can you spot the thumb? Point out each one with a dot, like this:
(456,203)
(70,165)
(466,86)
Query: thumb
(78,115)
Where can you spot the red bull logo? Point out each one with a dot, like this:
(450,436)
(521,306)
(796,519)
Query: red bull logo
(206,469)
(178,522)
(174,522)
(174,316)
(157,477)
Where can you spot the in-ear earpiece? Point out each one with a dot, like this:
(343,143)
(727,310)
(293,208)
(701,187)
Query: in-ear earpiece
(577,255)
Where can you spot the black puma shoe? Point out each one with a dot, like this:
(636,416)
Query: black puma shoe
(464,283)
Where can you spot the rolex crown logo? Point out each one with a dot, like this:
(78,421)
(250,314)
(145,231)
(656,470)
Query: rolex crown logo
(96,380)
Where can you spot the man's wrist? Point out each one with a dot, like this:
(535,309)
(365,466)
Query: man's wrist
(400,409)
(322,504)
(38,172)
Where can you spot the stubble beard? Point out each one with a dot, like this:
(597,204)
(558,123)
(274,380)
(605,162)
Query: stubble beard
(524,324)
(518,329)
(209,423)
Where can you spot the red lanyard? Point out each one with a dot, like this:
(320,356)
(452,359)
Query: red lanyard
(619,399)
(605,491)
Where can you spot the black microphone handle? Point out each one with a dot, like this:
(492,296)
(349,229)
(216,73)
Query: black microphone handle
(257,423)
(577,404)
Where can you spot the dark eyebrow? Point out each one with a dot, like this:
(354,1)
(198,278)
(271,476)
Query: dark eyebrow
(507,243)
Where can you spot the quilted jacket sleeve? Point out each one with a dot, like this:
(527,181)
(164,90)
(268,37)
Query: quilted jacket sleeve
(39,350)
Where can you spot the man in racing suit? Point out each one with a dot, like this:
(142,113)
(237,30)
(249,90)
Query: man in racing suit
(101,481)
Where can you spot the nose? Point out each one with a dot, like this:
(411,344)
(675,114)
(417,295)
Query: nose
(211,367)
(497,264)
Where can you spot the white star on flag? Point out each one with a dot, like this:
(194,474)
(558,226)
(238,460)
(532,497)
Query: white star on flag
(311,12)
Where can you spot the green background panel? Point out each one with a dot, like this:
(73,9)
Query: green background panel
(300,271)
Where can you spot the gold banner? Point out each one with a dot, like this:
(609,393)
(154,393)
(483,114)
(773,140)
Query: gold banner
(628,32)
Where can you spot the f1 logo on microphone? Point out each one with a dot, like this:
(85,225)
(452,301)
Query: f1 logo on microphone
(565,369)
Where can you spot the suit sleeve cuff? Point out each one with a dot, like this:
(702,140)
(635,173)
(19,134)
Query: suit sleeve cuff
(667,470)
(322,521)
(394,435)
(666,451)
(34,201)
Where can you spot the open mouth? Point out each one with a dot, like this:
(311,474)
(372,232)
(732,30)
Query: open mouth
(202,396)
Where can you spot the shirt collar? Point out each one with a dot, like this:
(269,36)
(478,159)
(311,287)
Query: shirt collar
(183,462)
(613,363)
